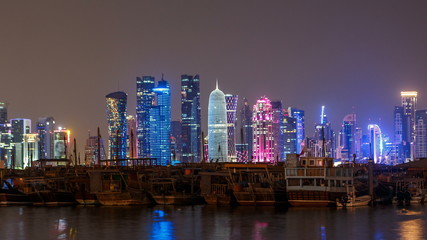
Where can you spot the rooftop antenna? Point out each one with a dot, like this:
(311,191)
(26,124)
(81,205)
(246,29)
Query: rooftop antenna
(216,84)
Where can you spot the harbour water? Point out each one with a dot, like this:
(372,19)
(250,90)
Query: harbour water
(210,222)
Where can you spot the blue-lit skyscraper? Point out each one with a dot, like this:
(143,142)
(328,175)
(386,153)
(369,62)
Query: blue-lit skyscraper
(421,134)
(324,137)
(144,102)
(160,124)
(45,127)
(217,127)
(409,104)
(298,114)
(117,124)
(289,130)
(231,105)
(19,127)
(190,118)
(348,137)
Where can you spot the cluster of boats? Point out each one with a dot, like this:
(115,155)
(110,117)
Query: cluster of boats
(306,181)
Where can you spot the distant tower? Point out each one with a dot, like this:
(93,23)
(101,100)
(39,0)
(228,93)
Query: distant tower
(131,144)
(61,144)
(263,140)
(289,130)
(398,134)
(246,131)
(217,127)
(190,118)
(160,124)
(231,105)
(117,124)
(45,127)
(91,150)
(19,127)
(3,113)
(298,114)
(323,137)
(144,102)
(176,140)
(409,104)
(278,115)
(376,142)
(348,137)
(421,134)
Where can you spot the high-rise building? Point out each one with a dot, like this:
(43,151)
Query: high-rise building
(45,127)
(132,146)
(6,146)
(217,127)
(91,150)
(3,113)
(246,134)
(398,151)
(348,145)
(117,124)
(62,139)
(144,102)
(421,134)
(231,105)
(409,104)
(298,114)
(19,127)
(190,118)
(279,140)
(263,139)
(324,137)
(160,124)
(289,130)
(376,143)
(30,149)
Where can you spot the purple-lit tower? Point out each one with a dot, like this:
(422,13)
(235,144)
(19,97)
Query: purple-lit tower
(231,105)
(263,139)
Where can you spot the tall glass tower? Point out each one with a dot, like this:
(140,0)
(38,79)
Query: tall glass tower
(263,139)
(217,127)
(45,127)
(231,105)
(160,124)
(349,131)
(298,114)
(117,124)
(246,131)
(421,134)
(278,135)
(409,104)
(144,102)
(190,118)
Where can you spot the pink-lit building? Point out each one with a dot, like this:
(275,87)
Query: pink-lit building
(263,139)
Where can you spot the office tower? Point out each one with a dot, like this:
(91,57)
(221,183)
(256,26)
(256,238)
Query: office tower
(61,148)
(91,150)
(6,146)
(348,137)
(160,124)
(3,113)
(289,130)
(409,104)
(421,134)
(19,127)
(231,106)
(190,118)
(217,127)
(30,149)
(131,144)
(45,127)
(278,136)
(176,141)
(144,102)
(263,139)
(398,152)
(376,143)
(246,134)
(298,114)
(324,137)
(117,124)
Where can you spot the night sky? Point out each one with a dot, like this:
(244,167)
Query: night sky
(60,58)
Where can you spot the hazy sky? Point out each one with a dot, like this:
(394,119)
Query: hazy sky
(60,58)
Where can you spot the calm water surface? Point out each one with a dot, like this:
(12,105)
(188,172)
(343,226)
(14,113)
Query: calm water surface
(209,222)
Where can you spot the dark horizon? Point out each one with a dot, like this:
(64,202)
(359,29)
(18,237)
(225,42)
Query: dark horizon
(60,59)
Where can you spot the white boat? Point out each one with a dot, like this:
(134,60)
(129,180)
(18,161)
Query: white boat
(350,200)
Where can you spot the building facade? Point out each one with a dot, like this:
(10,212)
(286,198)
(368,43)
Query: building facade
(421,134)
(217,127)
(263,139)
(231,105)
(117,124)
(144,102)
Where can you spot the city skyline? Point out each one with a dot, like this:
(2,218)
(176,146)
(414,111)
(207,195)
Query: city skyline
(326,54)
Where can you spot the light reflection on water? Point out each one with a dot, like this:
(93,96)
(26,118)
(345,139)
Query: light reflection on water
(210,222)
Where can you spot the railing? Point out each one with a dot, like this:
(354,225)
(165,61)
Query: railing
(219,189)
(318,172)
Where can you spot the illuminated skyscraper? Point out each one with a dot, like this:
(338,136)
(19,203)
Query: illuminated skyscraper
(45,127)
(263,139)
(409,104)
(160,124)
(144,102)
(298,114)
(246,131)
(324,137)
(3,113)
(398,134)
(190,118)
(132,146)
(91,150)
(231,105)
(348,137)
(30,149)
(278,115)
(217,127)
(62,139)
(421,134)
(117,124)
(19,127)
(376,143)
(289,129)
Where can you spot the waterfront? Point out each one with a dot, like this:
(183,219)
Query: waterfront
(210,222)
